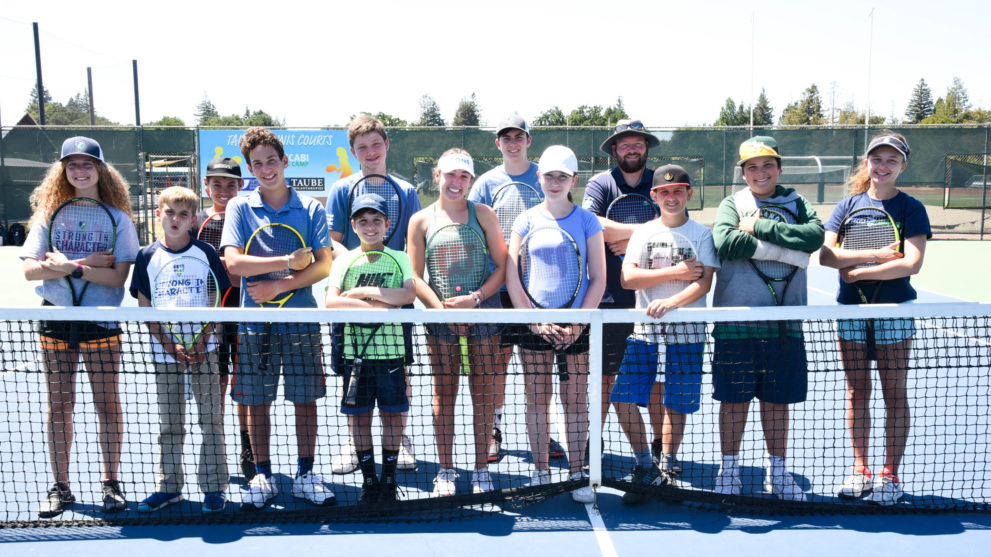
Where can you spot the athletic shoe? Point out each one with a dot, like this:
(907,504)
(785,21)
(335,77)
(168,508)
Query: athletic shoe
(444,483)
(158,500)
(783,487)
(481,482)
(247,461)
(887,491)
(657,451)
(643,476)
(495,446)
(260,491)
(540,477)
(728,483)
(213,502)
(554,449)
(311,487)
(113,499)
(583,494)
(669,463)
(370,491)
(406,459)
(388,491)
(58,499)
(855,486)
(346,461)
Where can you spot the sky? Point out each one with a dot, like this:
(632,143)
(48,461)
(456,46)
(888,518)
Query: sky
(313,65)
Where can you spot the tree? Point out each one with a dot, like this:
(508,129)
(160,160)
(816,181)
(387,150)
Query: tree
(468,113)
(388,120)
(951,109)
(551,117)
(850,116)
(732,115)
(920,105)
(763,113)
(205,111)
(805,112)
(169,121)
(615,113)
(430,113)
(75,112)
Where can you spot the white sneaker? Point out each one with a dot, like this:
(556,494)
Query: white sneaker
(346,461)
(855,486)
(728,482)
(311,487)
(406,459)
(260,491)
(481,482)
(444,483)
(783,487)
(887,492)
(540,477)
(583,494)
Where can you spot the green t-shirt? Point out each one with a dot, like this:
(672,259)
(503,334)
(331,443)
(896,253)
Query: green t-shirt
(373,341)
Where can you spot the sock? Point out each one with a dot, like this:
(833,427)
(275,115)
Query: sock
(264,468)
(643,458)
(366,461)
(731,463)
(245,440)
(498,419)
(668,460)
(863,470)
(389,461)
(776,465)
(304,466)
(887,473)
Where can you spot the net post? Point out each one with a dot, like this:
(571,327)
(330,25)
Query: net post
(595,400)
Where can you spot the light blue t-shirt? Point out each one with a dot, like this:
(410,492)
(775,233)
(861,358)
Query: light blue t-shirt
(487,184)
(339,219)
(580,224)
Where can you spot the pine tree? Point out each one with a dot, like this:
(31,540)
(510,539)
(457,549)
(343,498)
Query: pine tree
(468,113)
(430,113)
(920,106)
(763,113)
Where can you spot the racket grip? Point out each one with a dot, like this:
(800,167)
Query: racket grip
(870,344)
(465,363)
(562,366)
(351,397)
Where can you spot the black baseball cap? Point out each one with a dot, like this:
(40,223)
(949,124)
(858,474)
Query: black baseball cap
(223,166)
(629,127)
(80,145)
(890,141)
(369,201)
(670,175)
(514,122)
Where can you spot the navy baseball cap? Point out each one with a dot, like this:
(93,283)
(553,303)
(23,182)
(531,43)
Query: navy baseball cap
(514,122)
(226,167)
(80,145)
(369,201)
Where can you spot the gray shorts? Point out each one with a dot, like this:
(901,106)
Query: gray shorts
(295,353)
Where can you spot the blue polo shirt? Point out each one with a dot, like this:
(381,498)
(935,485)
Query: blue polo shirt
(305,214)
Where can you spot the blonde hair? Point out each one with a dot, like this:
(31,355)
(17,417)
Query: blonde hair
(860,180)
(363,124)
(55,190)
(178,195)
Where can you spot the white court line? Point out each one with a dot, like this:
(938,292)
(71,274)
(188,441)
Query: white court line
(21,367)
(954,333)
(606,547)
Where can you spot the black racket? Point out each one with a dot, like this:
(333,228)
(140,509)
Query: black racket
(210,231)
(868,228)
(777,275)
(512,200)
(80,227)
(632,208)
(552,272)
(371,268)
(273,240)
(386,188)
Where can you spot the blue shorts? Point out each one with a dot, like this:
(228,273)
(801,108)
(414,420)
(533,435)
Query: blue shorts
(886,331)
(682,375)
(381,381)
(297,353)
(763,368)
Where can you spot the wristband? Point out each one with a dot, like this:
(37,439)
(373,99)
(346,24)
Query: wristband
(478,299)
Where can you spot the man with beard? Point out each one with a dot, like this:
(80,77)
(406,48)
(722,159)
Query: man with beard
(629,144)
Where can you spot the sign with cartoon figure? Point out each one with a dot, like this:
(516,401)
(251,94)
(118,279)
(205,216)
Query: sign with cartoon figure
(317,158)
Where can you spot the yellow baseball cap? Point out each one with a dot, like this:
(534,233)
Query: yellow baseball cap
(758,146)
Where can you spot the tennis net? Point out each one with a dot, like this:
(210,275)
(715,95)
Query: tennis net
(948,386)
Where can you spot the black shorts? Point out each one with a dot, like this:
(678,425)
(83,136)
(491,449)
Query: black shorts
(511,333)
(337,364)
(227,335)
(381,381)
(76,335)
(530,341)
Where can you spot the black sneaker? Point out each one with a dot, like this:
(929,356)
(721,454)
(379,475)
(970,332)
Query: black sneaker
(248,470)
(388,491)
(58,499)
(554,449)
(495,445)
(370,491)
(113,499)
(643,476)
(656,449)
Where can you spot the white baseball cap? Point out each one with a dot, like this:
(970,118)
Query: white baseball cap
(558,158)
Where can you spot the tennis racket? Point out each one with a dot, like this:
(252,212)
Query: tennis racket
(210,231)
(552,272)
(512,200)
(386,188)
(664,249)
(371,268)
(457,263)
(776,275)
(80,227)
(632,208)
(868,228)
(273,240)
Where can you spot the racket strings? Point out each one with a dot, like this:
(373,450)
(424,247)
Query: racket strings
(81,228)
(212,230)
(456,261)
(632,209)
(551,268)
(511,201)
(867,232)
(775,270)
(385,189)
(273,241)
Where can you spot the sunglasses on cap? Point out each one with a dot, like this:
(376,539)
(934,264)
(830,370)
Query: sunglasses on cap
(635,125)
